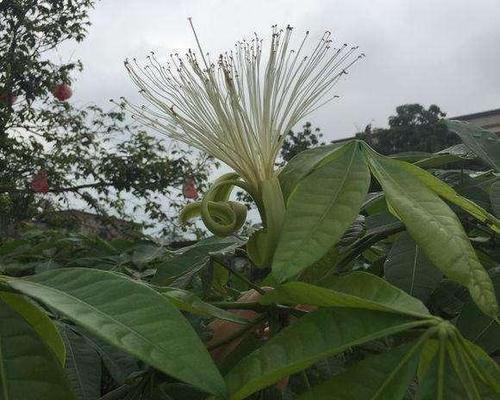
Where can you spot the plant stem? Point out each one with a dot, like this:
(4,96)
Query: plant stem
(238,333)
(239,275)
(234,305)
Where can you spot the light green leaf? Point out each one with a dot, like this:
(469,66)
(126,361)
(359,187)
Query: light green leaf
(448,193)
(131,316)
(356,290)
(407,268)
(434,227)
(485,144)
(187,301)
(29,370)
(302,164)
(83,366)
(478,327)
(315,336)
(39,322)
(320,208)
(381,377)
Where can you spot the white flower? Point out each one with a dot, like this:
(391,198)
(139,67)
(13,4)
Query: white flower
(239,107)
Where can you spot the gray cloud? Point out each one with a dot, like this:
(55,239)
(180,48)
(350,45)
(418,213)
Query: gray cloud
(445,52)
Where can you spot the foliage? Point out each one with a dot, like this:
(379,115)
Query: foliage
(374,309)
(90,157)
(414,128)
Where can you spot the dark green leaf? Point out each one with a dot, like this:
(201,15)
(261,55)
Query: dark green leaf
(191,257)
(407,268)
(383,377)
(495,197)
(131,316)
(29,370)
(478,327)
(83,366)
(315,336)
(39,322)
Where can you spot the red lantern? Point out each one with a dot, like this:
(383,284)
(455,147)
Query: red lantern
(39,183)
(62,92)
(189,189)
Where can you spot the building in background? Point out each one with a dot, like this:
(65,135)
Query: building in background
(489,120)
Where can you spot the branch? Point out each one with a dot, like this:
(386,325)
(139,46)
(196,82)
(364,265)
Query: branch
(58,190)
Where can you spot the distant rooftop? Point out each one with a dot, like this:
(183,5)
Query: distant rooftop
(489,120)
(482,114)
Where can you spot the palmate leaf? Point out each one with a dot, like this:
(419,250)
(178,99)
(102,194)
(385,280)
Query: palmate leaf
(479,328)
(29,370)
(320,208)
(381,377)
(39,322)
(434,227)
(131,316)
(355,290)
(456,369)
(313,337)
(407,268)
(83,366)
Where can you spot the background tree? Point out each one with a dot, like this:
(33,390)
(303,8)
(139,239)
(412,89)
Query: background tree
(413,128)
(88,157)
(298,141)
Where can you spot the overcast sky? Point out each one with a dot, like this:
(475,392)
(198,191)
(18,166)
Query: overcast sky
(445,52)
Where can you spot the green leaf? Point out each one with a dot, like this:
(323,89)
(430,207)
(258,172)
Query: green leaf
(384,377)
(495,197)
(440,382)
(118,363)
(356,290)
(83,366)
(131,316)
(485,144)
(478,327)
(313,337)
(448,193)
(302,164)
(187,301)
(191,257)
(29,370)
(434,227)
(458,371)
(485,368)
(39,322)
(407,268)
(320,208)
